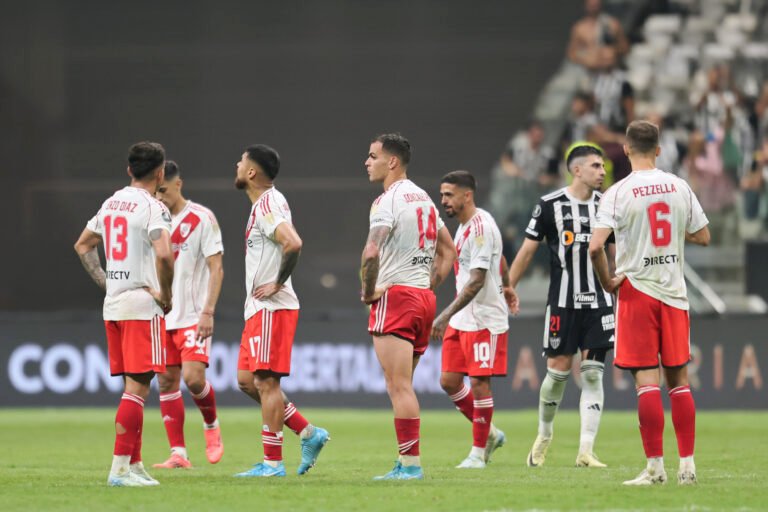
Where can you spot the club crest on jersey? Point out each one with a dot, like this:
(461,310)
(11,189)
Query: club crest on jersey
(554,342)
(480,240)
(184,229)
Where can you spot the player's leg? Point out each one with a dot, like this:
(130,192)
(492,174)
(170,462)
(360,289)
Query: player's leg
(650,411)
(129,422)
(396,358)
(496,437)
(205,398)
(453,369)
(481,422)
(675,354)
(172,412)
(550,396)
(272,412)
(591,405)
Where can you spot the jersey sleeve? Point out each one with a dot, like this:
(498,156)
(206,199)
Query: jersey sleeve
(481,248)
(535,229)
(697,219)
(95,224)
(159,218)
(382,213)
(606,212)
(211,239)
(269,220)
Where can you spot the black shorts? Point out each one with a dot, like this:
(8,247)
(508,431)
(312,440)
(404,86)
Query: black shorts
(566,331)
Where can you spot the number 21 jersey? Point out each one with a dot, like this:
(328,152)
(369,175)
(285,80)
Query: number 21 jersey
(650,213)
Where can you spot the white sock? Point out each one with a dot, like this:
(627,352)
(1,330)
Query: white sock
(410,460)
(272,463)
(686,464)
(591,403)
(550,396)
(656,465)
(211,426)
(307,431)
(477,452)
(120,464)
(179,450)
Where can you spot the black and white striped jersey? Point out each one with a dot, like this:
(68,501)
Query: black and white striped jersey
(566,223)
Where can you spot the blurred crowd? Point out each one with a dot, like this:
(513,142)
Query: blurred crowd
(716,137)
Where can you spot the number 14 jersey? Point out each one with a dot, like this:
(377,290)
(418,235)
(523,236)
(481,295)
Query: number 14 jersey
(650,213)
(407,254)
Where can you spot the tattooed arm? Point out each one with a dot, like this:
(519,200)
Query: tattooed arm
(465,296)
(369,265)
(85,247)
(291,244)
(445,255)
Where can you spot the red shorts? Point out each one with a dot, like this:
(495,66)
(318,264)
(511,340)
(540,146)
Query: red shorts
(647,327)
(474,353)
(267,341)
(182,345)
(136,346)
(405,312)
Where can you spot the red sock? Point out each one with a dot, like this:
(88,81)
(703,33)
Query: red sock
(684,419)
(407,430)
(206,402)
(273,444)
(650,411)
(130,417)
(463,402)
(481,421)
(172,410)
(136,455)
(293,419)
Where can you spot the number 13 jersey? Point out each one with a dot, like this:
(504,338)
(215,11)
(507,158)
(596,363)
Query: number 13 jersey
(124,223)
(650,212)
(407,254)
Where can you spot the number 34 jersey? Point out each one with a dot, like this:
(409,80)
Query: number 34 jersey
(407,254)
(650,212)
(124,223)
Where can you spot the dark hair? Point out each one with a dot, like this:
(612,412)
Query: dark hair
(266,157)
(642,137)
(144,157)
(397,145)
(460,179)
(581,151)
(171,169)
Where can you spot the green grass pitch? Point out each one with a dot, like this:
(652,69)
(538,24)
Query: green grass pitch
(57,459)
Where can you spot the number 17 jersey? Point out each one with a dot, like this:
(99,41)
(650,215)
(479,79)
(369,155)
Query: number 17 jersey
(407,254)
(650,212)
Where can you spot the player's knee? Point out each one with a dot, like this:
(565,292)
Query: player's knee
(592,376)
(450,384)
(480,387)
(246,384)
(195,384)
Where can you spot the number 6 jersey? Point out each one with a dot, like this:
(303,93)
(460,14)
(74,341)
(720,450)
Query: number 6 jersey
(124,223)
(407,254)
(650,213)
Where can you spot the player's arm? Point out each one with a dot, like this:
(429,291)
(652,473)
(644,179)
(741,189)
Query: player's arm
(215,265)
(164,261)
(369,264)
(465,296)
(445,255)
(86,249)
(505,286)
(700,237)
(290,244)
(516,271)
(600,260)
(610,251)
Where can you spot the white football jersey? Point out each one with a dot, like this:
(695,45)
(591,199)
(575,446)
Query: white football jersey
(478,243)
(263,254)
(650,213)
(407,254)
(195,235)
(124,223)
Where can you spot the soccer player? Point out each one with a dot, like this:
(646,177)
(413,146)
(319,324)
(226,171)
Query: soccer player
(579,314)
(652,213)
(198,249)
(474,326)
(271,313)
(136,230)
(408,253)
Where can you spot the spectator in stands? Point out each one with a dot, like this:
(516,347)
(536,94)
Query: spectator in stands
(753,186)
(714,187)
(526,170)
(761,113)
(597,40)
(614,99)
(711,103)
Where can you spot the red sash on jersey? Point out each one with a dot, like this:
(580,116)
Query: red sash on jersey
(183,231)
(459,246)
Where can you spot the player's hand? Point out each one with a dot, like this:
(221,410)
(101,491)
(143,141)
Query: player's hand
(163,301)
(377,293)
(615,283)
(512,300)
(439,326)
(265,291)
(204,326)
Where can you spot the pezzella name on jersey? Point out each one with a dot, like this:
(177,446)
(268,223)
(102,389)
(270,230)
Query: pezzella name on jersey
(664,259)
(652,190)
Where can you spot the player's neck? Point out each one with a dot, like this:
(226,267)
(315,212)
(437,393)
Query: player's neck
(580,190)
(392,178)
(642,164)
(256,190)
(149,186)
(469,211)
(179,206)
